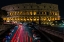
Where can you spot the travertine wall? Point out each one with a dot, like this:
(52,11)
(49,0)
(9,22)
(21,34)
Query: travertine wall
(42,6)
(45,12)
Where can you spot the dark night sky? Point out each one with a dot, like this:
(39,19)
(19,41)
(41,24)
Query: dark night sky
(59,2)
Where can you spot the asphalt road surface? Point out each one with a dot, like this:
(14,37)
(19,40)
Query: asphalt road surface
(25,33)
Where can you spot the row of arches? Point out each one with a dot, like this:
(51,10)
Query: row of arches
(33,13)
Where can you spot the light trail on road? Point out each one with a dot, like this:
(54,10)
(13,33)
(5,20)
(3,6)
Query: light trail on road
(17,34)
(21,35)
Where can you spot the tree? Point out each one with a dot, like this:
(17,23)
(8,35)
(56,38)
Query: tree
(1,21)
(3,13)
(57,22)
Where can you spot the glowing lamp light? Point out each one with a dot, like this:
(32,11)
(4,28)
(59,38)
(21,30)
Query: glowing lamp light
(63,24)
(8,21)
(49,20)
(7,37)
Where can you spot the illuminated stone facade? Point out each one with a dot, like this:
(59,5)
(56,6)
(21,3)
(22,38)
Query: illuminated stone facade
(46,13)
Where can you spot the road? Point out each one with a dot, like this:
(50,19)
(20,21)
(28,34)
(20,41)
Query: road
(32,30)
(48,30)
(23,33)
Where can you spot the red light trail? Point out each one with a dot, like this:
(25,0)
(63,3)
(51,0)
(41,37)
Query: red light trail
(21,35)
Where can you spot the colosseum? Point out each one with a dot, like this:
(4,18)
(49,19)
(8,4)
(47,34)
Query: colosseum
(46,13)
